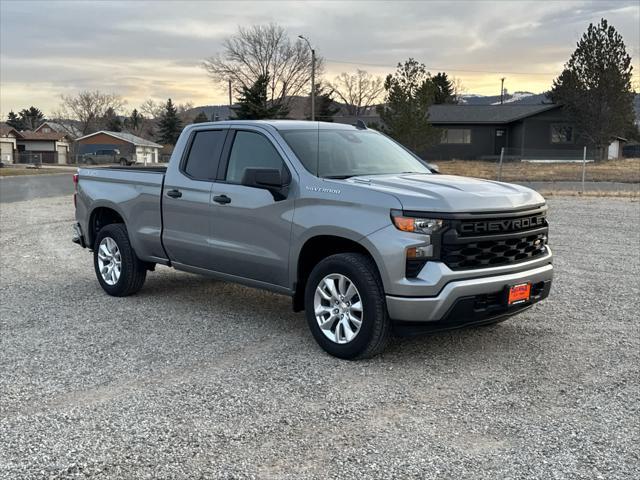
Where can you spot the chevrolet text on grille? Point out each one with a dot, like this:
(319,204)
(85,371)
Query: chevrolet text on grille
(505,225)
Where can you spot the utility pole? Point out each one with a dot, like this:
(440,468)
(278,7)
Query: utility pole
(502,90)
(230,101)
(313,78)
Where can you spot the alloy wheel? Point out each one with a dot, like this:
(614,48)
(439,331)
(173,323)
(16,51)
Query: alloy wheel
(338,308)
(109,261)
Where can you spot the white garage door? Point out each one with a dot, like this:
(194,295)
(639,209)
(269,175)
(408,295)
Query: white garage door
(62,153)
(6,152)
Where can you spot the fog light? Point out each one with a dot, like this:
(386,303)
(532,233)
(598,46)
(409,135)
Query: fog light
(425,251)
(416,259)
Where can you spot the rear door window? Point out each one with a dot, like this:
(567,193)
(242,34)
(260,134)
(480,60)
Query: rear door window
(204,154)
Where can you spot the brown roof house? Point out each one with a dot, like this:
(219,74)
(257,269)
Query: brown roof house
(32,147)
(68,129)
(41,147)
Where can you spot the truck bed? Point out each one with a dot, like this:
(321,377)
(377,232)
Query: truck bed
(135,194)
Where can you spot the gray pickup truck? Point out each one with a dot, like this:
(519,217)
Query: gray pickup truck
(362,235)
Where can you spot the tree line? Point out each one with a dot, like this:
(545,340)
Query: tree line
(269,71)
(91,111)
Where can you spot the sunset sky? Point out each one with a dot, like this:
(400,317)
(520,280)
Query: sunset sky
(144,50)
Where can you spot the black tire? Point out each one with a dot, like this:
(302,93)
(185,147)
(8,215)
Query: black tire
(133,271)
(123,162)
(375,329)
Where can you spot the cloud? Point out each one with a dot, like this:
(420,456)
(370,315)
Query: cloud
(154,49)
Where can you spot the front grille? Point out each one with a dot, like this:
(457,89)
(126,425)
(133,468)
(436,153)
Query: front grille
(482,250)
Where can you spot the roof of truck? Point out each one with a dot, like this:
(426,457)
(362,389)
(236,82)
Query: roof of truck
(290,124)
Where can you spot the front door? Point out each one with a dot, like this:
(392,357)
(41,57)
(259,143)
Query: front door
(251,230)
(500,141)
(186,200)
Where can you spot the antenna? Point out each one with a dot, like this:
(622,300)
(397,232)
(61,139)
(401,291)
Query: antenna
(502,90)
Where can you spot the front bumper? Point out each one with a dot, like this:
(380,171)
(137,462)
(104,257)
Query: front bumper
(477,300)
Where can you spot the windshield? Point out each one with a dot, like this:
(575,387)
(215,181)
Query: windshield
(347,153)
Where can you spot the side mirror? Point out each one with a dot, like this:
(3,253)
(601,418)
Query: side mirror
(268,179)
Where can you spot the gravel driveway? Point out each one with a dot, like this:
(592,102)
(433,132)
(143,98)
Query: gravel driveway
(194,378)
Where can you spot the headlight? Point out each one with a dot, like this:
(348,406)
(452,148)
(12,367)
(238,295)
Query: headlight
(416,224)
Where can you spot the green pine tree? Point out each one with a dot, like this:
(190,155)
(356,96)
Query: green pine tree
(15,121)
(170,125)
(410,93)
(325,105)
(31,118)
(444,89)
(253,103)
(134,122)
(111,121)
(595,87)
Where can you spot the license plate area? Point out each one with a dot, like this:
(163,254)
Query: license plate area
(519,294)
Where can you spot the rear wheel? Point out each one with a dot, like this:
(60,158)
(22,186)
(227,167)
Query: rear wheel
(117,267)
(345,306)
(123,162)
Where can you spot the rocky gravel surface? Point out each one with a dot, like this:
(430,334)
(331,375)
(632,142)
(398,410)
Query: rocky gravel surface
(195,378)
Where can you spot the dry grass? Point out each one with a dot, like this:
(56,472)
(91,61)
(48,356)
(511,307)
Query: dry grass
(14,172)
(627,170)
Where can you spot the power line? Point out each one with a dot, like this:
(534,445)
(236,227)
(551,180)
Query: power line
(443,69)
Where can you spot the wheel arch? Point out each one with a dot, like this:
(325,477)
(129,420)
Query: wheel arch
(315,249)
(100,216)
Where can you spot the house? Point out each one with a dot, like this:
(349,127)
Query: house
(145,151)
(524,131)
(39,147)
(8,143)
(49,126)
(32,147)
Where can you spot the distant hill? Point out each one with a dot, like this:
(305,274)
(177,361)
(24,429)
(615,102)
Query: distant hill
(524,98)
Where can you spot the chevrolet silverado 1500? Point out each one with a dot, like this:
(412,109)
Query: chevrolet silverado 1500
(362,235)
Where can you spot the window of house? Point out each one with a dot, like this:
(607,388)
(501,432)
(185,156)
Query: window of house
(251,150)
(561,134)
(456,135)
(204,154)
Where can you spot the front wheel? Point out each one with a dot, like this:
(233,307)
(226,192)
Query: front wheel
(345,306)
(117,267)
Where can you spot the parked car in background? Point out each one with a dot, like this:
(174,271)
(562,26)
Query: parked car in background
(108,156)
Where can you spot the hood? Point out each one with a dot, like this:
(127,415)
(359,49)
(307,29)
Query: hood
(450,193)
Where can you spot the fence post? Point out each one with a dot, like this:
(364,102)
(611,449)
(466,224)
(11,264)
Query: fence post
(584,166)
(500,164)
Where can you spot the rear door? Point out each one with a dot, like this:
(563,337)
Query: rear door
(251,230)
(186,199)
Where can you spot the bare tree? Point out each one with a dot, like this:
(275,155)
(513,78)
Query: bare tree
(458,89)
(151,108)
(88,109)
(186,112)
(151,111)
(264,50)
(358,91)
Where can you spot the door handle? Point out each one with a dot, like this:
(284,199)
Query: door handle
(174,193)
(221,199)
